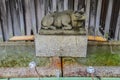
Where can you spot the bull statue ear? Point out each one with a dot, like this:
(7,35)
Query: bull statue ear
(82,10)
(49,12)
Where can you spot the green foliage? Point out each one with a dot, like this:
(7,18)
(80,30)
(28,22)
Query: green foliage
(22,60)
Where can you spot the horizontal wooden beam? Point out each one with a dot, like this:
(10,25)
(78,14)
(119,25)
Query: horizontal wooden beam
(31,37)
(96,38)
(22,38)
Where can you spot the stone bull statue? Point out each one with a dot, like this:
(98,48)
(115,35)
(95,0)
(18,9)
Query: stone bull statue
(63,20)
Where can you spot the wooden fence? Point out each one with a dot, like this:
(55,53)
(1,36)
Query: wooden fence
(23,17)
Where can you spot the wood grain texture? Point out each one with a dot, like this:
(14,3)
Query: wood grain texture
(98,13)
(108,18)
(23,17)
(117,33)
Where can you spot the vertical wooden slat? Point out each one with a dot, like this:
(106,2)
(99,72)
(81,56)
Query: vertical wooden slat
(38,14)
(46,6)
(65,4)
(50,5)
(114,16)
(117,31)
(60,5)
(42,8)
(14,8)
(71,4)
(54,5)
(27,17)
(22,24)
(103,14)
(92,16)
(9,20)
(108,18)
(75,5)
(33,18)
(97,24)
(3,20)
(81,4)
(119,35)
(87,15)
(0,32)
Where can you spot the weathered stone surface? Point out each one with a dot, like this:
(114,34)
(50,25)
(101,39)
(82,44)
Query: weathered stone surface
(61,45)
(68,71)
(24,52)
(62,32)
(102,71)
(27,72)
(19,54)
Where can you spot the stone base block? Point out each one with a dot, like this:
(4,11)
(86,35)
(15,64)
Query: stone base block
(61,45)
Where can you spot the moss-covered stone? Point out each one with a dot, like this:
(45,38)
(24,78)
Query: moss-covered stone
(99,56)
(20,54)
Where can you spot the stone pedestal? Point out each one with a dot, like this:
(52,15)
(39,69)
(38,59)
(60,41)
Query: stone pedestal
(61,45)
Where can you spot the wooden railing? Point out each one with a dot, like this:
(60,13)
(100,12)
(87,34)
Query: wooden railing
(23,17)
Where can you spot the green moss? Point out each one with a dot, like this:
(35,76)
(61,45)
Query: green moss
(22,60)
(100,56)
(20,56)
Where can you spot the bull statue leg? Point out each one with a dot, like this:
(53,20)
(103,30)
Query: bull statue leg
(67,26)
(52,27)
(65,22)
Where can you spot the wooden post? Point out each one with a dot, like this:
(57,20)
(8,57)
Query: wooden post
(32,16)
(81,4)
(3,20)
(46,5)
(21,15)
(71,4)
(27,17)
(14,8)
(50,5)
(87,15)
(30,19)
(92,16)
(9,19)
(60,5)
(97,24)
(38,14)
(42,10)
(75,5)
(108,18)
(117,31)
(65,4)
(54,5)
(119,35)
(0,32)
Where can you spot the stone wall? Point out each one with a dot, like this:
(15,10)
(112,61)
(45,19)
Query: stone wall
(15,57)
